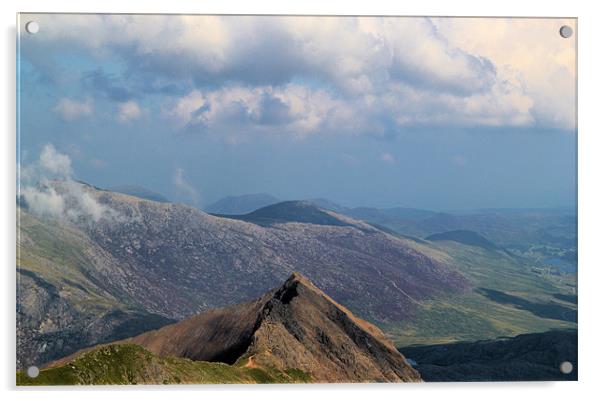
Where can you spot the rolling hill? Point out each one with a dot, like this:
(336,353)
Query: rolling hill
(239,205)
(290,211)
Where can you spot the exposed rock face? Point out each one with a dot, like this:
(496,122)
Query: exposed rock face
(300,327)
(171,261)
(296,326)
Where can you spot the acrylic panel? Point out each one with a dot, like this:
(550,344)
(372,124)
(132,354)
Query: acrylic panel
(212,199)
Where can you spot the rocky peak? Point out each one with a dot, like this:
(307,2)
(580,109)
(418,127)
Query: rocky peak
(293,327)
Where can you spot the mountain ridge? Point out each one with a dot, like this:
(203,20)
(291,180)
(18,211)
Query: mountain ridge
(294,326)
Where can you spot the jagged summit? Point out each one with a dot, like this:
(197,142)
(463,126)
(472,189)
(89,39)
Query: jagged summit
(295,326)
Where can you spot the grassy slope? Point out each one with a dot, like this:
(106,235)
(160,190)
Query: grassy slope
(132,364)
(474,315)
(61,297)
(59,256)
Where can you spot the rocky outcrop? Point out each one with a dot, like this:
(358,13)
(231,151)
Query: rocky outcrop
(294,327)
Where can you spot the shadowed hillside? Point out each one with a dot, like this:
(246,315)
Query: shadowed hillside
(528,357)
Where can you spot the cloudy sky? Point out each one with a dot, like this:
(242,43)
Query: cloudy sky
(432,113)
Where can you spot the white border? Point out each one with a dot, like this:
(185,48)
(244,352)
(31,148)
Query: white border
(590,201)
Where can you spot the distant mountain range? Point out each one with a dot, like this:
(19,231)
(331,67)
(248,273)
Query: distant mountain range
(517,229)
(293,333)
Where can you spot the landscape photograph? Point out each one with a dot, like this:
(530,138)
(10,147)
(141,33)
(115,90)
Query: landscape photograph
(219,199)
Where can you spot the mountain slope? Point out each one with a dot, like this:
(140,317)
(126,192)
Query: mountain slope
(328,205)
(239,205)
(528,357)
(290,211)
(294,327)
(508,297)
(464,237)
(214,261)
(63,302)
(140,192)
(121,364)
(85,282)
(546,236)
(136,261)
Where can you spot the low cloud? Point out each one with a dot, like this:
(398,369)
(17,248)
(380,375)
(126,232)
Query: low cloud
(186,189)
(49,190)
(55,163)
(72,109)
(128,111)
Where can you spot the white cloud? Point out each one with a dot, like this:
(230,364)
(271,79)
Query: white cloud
(72,109)
(44,202)
(291,109)
(453,71)
(48,188)
(54,162)
(184,187)
(528,53)
(128,111)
